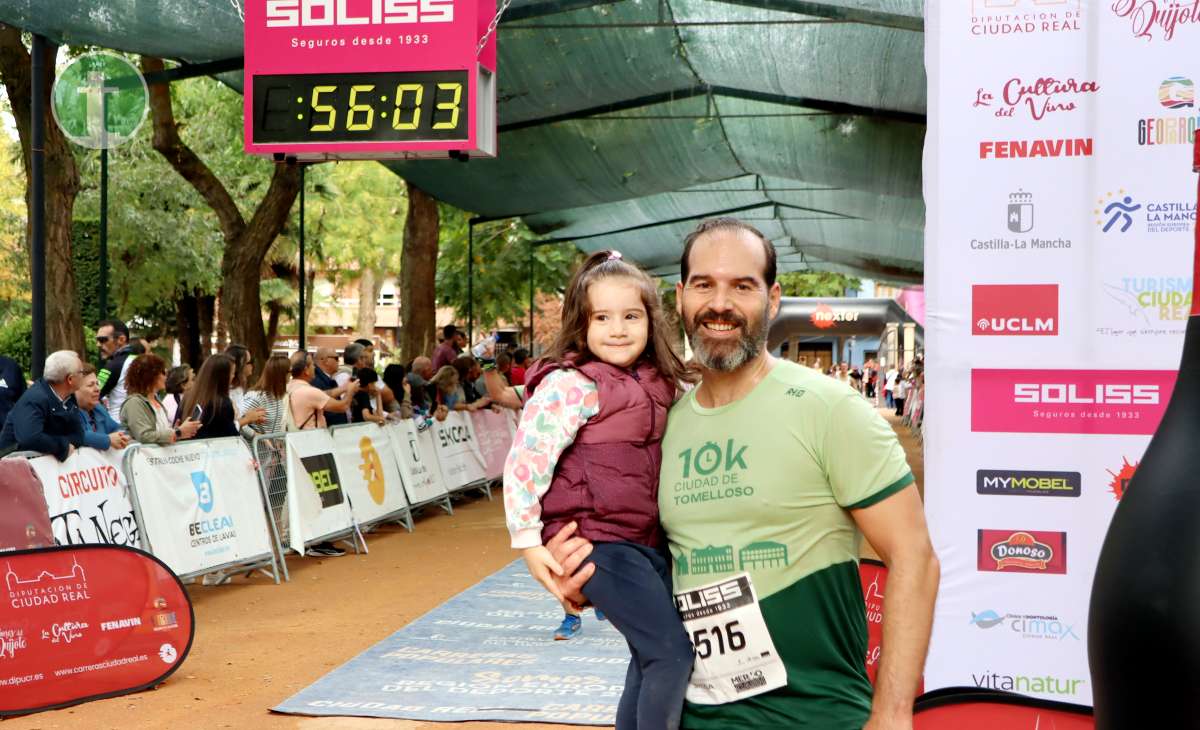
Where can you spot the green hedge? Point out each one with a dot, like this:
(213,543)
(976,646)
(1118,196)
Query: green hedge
(16,336)
(85,251)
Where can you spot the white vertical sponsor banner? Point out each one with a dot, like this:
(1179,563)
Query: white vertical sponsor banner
(1059,205)
(316,502)
(417,459)
(368,471)
(201,503)
(87,499)
(458,451)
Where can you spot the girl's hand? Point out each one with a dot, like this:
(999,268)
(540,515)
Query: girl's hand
(541,564)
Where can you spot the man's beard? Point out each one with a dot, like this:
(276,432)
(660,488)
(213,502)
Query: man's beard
(747,347)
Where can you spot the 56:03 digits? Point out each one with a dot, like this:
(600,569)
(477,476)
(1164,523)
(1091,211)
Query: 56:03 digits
(408,106)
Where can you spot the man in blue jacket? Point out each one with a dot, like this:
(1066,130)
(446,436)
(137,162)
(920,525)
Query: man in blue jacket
(44,419)
(100,431)
(12,385)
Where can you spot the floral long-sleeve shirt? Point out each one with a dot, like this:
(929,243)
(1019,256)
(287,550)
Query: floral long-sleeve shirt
(562,403)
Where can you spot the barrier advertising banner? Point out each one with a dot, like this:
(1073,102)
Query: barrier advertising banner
(458,451)
(87,499)
(24,519)
(200,503)
(368,471)
(1060,207)
(417,459)
(316,502)
(87,621)
(491,431)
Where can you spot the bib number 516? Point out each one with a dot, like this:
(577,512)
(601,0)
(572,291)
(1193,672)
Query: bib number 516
(728,639)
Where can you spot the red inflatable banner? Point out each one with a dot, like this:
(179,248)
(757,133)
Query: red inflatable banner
(955,708)
(83,622)
(24,517)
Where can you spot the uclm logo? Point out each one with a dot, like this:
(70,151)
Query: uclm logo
(1024,551)
(310,13)
(1069,401)
(1014,309)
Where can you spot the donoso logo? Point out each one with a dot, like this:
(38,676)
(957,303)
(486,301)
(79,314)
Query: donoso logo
(1022,551)
(309,13)
(1014,309)
(1069,401)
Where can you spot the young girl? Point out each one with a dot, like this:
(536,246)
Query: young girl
(588,451)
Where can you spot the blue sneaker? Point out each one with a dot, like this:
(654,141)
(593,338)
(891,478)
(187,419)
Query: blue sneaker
(569,628)
(600,615)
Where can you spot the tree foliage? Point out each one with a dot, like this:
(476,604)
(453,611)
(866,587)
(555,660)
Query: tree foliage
(816,284)
(501,269)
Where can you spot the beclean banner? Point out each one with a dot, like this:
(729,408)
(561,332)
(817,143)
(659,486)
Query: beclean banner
(200,503)
(316,502)
(368,471)
(87,499)
(417,460)
(1060,205)
(458,451)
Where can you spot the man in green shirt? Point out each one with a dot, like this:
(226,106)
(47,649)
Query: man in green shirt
(772,474)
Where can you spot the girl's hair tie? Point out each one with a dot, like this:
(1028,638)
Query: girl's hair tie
(614,255)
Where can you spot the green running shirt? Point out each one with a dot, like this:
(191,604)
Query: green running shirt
(763,485)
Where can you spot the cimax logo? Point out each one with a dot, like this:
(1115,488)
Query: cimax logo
(298,13)
(1014,309)
(1100,393)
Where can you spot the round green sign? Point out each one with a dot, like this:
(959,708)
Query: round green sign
(100,100)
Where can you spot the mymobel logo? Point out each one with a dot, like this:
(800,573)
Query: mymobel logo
(1014,309)
(306,13)
(1031,551)
(1028,483)
(100,101)
(1069,401)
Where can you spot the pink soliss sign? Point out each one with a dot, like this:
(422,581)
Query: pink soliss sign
(369,79)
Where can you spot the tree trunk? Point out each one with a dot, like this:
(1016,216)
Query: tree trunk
(274,310)
(207,307)
(369,285)
(64,326)
(246,244)
(418,273)
(187,321)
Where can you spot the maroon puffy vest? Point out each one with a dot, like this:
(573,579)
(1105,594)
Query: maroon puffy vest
(607,480)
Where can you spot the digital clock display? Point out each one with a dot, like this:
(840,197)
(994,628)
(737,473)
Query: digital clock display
(361,107)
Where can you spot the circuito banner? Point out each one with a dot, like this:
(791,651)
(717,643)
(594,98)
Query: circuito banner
(86,498)
(200,503)
(88,621)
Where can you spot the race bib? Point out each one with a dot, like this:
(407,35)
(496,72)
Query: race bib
(735,657)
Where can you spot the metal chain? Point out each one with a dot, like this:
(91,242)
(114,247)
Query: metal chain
(491,27)
(238,7)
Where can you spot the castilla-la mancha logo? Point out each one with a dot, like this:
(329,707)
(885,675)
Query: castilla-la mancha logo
(1023,551)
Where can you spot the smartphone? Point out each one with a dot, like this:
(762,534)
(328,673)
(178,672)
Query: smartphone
(197,411)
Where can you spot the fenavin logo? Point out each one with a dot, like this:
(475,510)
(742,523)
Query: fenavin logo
(308,13)
(1028,483)
(1014,309)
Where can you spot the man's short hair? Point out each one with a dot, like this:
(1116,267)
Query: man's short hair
(449,331)
(299,362)
(352,353)
(61,365)
(364,342)
(728,224)
(520,355)
(118,327)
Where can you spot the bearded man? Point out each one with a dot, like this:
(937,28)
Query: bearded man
(772,474)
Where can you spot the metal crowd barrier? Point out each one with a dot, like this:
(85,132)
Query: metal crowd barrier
(222,572)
